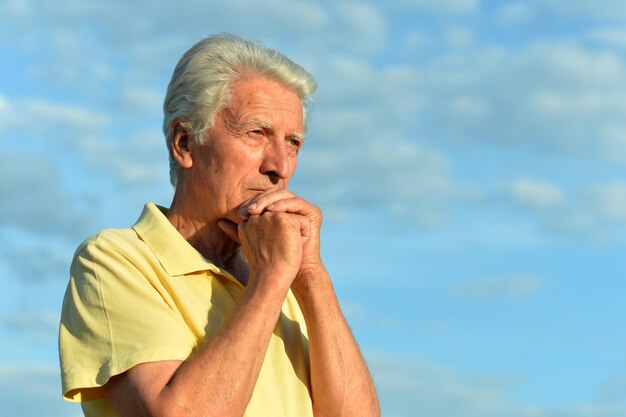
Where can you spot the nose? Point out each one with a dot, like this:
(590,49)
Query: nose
(276,163)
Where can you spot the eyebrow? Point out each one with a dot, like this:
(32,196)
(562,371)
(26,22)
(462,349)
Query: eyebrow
(264,125)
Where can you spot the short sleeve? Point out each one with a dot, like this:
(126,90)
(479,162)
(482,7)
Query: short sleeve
(115,315)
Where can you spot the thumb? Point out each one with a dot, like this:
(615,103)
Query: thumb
(230,229)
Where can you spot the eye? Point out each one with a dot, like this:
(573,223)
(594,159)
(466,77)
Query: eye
(294,142)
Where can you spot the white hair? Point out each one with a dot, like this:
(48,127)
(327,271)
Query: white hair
(201,82)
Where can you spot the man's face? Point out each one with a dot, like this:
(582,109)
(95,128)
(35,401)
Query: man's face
(252,146)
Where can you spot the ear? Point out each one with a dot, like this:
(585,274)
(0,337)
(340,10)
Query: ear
(181,145)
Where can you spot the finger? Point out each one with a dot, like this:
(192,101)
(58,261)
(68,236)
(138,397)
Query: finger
(294,205)
(285,202)
(243,208)
(230,229)
(260,202)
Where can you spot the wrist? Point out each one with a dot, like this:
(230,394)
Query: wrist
(272,278)
(312,281)
(312,270)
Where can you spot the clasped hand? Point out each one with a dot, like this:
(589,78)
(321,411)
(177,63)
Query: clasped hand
(279,234)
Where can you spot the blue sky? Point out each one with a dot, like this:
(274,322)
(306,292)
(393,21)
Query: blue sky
(469,156)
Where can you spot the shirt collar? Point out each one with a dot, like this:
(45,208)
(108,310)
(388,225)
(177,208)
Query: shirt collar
(174,253)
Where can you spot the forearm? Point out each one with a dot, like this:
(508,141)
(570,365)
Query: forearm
(341,383)
(232,360)
(219,379)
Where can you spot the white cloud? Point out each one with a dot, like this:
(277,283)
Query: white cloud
(363,21)
(17,7)
(605,9)
(386,94)
(71,75)
(43,325)
(506,287)
(459,37)
(416,40)
(537,194)
(33,197)
(469,107)
(36,263)
(608,202)
(71,115)
(548,95)
(272,18)
(363,148)
(410,387)
(37,115)
(502,100)
(149,44)
(569,63)
(4,105)
(135,158)
(555,95)
(143,100)
(441,7)
(596,212)
(613,145)
(515,12)
(407,182)
(609,36)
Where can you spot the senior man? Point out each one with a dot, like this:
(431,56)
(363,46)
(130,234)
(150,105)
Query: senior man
(219,305)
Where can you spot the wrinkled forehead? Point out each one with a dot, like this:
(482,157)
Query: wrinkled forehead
(266,103)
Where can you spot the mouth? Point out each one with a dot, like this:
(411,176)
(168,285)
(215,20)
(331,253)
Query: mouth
(255,192)
(261,190)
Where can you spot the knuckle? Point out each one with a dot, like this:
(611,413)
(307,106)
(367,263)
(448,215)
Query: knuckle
(279,215)
(251,221)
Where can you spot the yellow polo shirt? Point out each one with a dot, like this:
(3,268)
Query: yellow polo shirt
(145,294)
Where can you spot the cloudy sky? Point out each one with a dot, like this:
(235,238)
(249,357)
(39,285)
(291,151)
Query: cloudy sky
(469,155)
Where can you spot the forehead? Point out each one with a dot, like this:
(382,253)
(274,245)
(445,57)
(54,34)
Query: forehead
(268,101)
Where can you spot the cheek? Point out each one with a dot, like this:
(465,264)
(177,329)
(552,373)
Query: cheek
(294,164)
